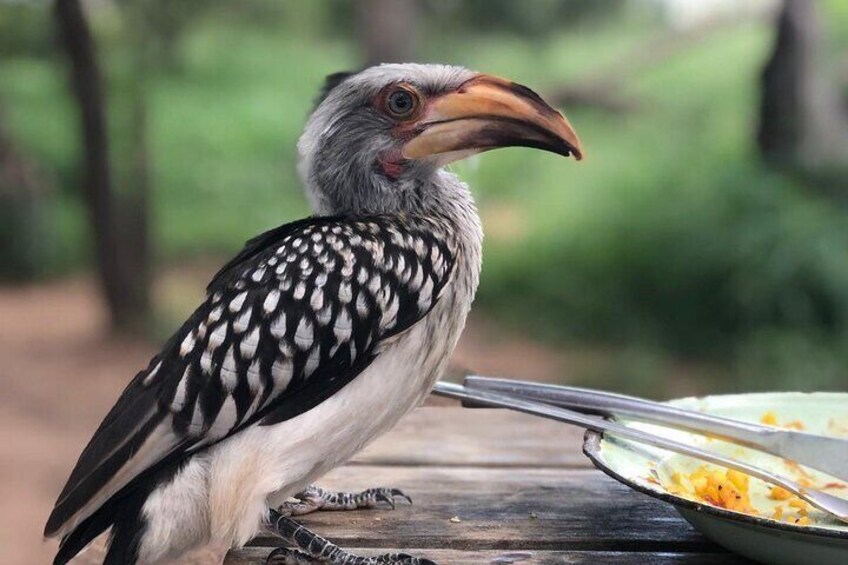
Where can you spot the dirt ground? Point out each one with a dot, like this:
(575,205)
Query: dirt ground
(60,372)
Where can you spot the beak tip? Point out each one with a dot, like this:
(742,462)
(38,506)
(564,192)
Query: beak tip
(573,150)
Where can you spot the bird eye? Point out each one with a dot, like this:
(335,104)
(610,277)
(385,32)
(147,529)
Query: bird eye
(401,103)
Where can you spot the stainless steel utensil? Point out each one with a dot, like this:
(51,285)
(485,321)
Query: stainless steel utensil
(826,454)
(833,505)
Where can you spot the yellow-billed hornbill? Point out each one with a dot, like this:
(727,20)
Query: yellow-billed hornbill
(317,337)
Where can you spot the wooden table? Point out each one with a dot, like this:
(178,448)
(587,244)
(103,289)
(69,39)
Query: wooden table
(497,487)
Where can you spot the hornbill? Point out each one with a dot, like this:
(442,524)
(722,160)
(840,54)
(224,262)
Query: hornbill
(317,337)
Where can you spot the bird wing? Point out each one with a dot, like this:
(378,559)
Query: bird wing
(291,320)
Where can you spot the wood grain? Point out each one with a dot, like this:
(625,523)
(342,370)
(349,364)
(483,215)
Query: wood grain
(435,435)
(503,509)
(255,555)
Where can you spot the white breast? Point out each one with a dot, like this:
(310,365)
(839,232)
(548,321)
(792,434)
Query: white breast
(278,461)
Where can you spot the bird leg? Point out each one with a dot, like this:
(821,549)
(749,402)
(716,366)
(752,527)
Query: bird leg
(312,549)
(315,498)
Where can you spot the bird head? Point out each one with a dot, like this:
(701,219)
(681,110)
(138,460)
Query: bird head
(378,139)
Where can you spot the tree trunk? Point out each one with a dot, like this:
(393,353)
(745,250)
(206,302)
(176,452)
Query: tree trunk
(119,266)
(802,122)
(136,210)
(27,246)
(387,30)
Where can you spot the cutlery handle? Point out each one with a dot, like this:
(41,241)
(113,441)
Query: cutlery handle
(828,454)
(757,436)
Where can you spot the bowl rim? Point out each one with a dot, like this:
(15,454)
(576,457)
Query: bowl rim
(592,442)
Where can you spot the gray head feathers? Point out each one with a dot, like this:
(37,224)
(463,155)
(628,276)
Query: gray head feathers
(331,82)
(345,136)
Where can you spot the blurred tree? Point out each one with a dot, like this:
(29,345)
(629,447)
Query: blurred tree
(25,229)
(387,30)
(118,224)
(802,121)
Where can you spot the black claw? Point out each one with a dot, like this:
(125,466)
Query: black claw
(400,493)
(380,497)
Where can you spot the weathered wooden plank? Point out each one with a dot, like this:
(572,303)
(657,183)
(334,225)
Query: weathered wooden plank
(437,435)
(257,555)
(518,508)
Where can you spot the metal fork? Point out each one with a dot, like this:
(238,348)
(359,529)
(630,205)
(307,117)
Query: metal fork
(826,454)
(828,503)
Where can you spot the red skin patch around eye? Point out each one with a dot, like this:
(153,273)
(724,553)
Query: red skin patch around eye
(392,163)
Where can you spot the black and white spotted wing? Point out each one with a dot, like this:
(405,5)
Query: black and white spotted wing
(293,318)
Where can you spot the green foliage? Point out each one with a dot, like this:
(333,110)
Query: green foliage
(529,18)
(668,242)
(24,28)
(835,18)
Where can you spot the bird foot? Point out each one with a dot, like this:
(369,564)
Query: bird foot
(286,556)
(315,498)
(312,549)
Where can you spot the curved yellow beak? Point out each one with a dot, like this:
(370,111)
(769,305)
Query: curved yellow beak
(485,113)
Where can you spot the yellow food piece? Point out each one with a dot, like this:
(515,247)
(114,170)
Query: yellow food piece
(802,506)
(738,479)
(730,489)
(725,489)
(769,419)
(778,493)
